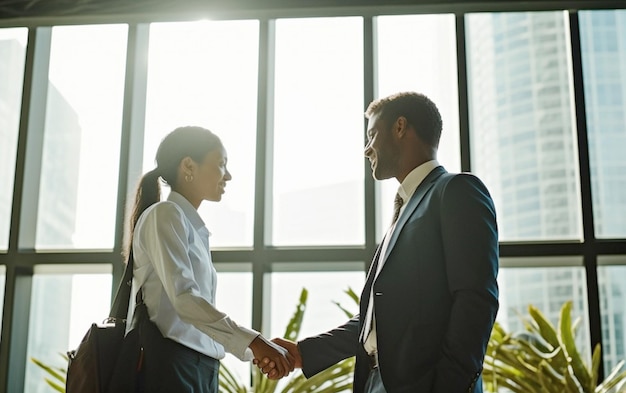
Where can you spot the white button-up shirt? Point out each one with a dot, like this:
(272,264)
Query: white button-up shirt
(172,262)
(406,191)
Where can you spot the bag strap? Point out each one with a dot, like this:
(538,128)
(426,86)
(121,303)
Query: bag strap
(119,309)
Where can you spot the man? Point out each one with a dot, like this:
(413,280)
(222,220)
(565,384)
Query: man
(431,296)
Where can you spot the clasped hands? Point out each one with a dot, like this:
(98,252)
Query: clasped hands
(275,358)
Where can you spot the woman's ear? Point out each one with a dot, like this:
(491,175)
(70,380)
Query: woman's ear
(187,165)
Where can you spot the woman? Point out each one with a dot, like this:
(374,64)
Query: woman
(172,265)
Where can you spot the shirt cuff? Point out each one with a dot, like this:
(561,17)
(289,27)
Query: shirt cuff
(237,341)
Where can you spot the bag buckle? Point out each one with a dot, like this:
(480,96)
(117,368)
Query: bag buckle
(113,320)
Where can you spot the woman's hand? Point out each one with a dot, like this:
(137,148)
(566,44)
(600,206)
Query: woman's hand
(281,362)
(293,349)
(266,365)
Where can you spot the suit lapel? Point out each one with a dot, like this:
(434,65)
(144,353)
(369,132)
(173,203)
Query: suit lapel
(368,282)
(415,200)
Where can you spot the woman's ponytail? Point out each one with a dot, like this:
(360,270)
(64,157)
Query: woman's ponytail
(148,193)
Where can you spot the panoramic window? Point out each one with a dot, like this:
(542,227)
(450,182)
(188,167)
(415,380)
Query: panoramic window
(287,88)
(317,185)
(2,284)
(604,74)
(521,122)
(234,297)
(326,296)
(547,289)
(428,66)
(81,147)
(612,287)
(324,289)
(12,57)
(205,74)
(64,305)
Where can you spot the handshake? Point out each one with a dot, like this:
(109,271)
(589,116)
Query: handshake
(275,358)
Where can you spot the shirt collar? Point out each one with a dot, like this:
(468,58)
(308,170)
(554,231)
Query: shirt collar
(188,209)
(415,178)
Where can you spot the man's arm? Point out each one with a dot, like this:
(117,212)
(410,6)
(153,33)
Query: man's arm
(317,353)
(470,238)
(322,351)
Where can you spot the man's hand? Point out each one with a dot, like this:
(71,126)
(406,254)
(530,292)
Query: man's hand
(278,362)
(293,349)
(266,364)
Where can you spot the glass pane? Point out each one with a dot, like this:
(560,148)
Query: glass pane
(612,286)
(234,297)
(546,288)
(521,122)
(12,57)
(3,278)
(429,67)
(79,174)
(324,290)
(64,305)
(205,74)
(318,133)
(604,70)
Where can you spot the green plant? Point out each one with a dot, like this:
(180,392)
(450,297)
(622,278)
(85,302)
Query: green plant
(57,373)
(337,378)
(545,359)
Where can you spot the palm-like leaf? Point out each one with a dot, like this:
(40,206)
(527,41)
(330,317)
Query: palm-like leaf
(229,383)
(337,378)
(544,359)
(567,342)
(58,373)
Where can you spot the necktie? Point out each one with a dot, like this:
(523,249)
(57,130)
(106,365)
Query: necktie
(367,323)
(397,205)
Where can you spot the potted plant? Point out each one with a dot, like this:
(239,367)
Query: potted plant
(337,378)
(544,358)
(541,359)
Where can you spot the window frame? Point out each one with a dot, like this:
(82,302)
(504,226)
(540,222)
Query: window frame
(20,261)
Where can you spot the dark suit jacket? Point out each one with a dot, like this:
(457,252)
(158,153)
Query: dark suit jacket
(436,297)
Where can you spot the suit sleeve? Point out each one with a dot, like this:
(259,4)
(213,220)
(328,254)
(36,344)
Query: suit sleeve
(470,239)
(322,351)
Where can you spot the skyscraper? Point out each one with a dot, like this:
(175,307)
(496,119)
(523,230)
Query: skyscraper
(57,223)
(12,55)
(603,42)
(524,147)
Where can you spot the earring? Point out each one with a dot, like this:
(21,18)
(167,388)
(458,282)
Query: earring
(189,178)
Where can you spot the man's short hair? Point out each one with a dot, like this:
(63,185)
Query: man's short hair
(420,112)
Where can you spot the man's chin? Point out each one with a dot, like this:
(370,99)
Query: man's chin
(378,176)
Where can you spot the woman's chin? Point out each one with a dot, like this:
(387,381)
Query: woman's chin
(214,198)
